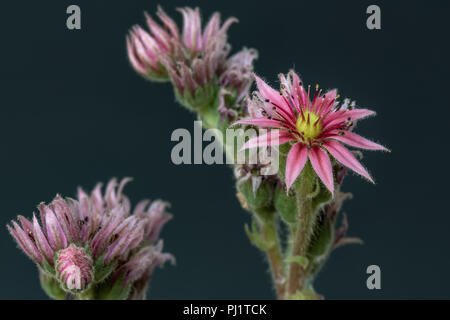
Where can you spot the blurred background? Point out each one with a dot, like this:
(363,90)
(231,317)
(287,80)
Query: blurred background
(73,112)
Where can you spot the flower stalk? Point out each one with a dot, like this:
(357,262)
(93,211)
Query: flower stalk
(269,232)
(303,233)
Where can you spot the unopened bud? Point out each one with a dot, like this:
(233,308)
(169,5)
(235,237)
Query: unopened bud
(74,268)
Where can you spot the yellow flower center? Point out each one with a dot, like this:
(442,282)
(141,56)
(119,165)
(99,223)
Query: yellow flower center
(309,125)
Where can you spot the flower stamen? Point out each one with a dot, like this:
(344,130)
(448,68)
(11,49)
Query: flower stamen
(310,128)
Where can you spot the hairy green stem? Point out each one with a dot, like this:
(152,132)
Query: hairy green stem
(303,233)
(270,235)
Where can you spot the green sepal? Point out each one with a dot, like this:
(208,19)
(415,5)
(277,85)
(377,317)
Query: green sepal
(162,76)
(322,239)
(113,290)
(286,205)
(203,98)
(87,294)
(210,119)
(48,269)
(51,286)
(256,239)
(320,245)
(102,271)
(261,199)
(322,197)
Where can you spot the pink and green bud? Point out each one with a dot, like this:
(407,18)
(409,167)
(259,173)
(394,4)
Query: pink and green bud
(79,243)
(145,49)
(74,269)
(235,82)
(195,76)
(196,60)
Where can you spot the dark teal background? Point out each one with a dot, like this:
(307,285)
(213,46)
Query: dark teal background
(73,112)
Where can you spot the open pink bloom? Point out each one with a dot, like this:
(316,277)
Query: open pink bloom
(317,128)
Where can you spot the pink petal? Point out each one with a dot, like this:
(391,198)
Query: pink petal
(159,33)
(341,154)
(211,28)
(146,46)
(62,213)
(299,93)
(322,166)
(226,25)
(191,28)
(55,233)
(25,242)
(26,224)
(343,115)
(272,138)
(140,207)
(331,95)
(134,60)
(354,140)
(295,162)
(168,22)
(272,95)
(327,102)
(41,241)
(100,241)
(260,122)
(126,233)
(186,27)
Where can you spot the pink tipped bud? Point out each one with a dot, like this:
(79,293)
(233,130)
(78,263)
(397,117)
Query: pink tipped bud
(74,268)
